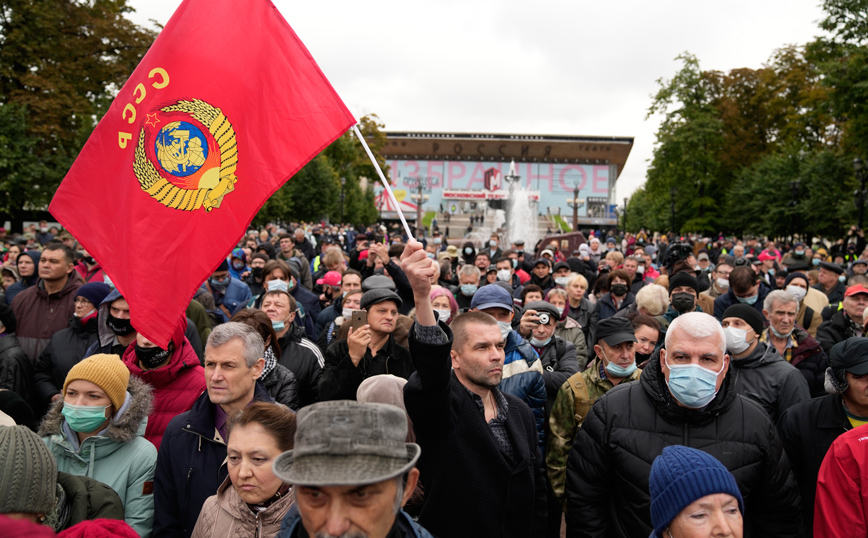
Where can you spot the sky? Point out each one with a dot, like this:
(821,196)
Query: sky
(567,67)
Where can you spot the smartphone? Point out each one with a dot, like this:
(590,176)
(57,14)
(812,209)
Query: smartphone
(360,319)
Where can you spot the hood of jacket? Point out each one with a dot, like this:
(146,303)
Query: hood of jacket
(228,499)
(517,347)
(106,336)
(127,424)
(654,384)
(35,256)
(73,282)
(183,357)
(762,355)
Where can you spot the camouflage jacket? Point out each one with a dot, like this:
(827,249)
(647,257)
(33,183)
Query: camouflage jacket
(572,404)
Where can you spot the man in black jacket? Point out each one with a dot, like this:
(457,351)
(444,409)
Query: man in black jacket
(368,351)
(684,397)
(845,323)
(809,428)
(192,456)
(480,466)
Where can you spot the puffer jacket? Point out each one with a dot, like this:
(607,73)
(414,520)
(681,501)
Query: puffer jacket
(282,386)
(176,385)
(807,431)
(769,380)
(225,515)
(523,378)
(404,526)
(570,330)
(119,456)
(65,349)
(40,314)
(16,370)
(304,359)
(608,468)
(559,363)
(839,328)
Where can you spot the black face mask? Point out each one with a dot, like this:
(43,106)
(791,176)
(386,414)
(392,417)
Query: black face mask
(89,260)
(151,357)
(683,302)
(256,272)
(121,327)
(619,290)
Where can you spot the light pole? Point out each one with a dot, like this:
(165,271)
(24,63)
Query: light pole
(343,183)
(575,203)
(861,177)
(419,198)
(672,192)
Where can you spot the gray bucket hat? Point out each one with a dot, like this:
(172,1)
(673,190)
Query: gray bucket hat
(347,443)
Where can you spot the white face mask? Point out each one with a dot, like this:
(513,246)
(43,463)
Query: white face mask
(347,313)
(444,315)
(797,292)
(736,340)
(640,270)
(505,328)
(504,275)
(723,283)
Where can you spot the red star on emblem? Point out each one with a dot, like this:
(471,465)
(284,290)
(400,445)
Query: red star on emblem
(152,120)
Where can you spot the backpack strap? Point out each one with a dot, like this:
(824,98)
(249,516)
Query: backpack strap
(581,397)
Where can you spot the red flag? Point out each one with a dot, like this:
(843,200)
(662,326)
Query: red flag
(225,107)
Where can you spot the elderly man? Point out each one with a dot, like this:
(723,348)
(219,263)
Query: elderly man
(845,323)
(480,465)
(792,342)
(809,428)
(614,363)
(831,281)
(684,397)
(190,461)
(761,374)
(337,490)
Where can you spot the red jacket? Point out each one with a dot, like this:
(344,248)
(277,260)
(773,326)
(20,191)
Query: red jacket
(176,385)
(94,275)
(841,506)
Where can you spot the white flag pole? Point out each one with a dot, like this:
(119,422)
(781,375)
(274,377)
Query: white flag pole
(385,182)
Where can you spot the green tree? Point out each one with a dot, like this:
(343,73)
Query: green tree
(61,64)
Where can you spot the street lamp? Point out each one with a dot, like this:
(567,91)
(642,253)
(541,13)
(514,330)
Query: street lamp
(861,177)
(672,192)
(419,198)
(343,183)
(575,202)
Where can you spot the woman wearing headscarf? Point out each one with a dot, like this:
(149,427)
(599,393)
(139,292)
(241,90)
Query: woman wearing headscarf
(97,430)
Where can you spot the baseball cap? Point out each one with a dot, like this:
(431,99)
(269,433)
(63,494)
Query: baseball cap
(550,253)
(491,297)
(702,256)
(347,443)
(855,290)
(615,331)
(850,355)
(562,265)
(332,278)
(765,256)
(542,261)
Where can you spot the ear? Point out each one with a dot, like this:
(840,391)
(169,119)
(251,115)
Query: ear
(410,486)
(766,314)
(257,368)
(454,357)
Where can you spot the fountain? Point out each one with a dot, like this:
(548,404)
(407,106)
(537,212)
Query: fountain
(521,220)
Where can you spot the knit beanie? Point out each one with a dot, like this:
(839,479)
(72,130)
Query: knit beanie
(105,371)
(100,528)
(793,276)
(747,313)
(94,292)
(682,475)
(28,472)
(683,279)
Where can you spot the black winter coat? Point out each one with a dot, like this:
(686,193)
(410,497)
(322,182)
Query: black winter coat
(16,370)
(341,379)
(471,488)
(722,302)
(586,315)
(810,359)
(608,468)
(807,431)
(190,467)
(769,380)
(605,307)
(556,370)
(65,349)
(304,359)
(837,329)
(282,386)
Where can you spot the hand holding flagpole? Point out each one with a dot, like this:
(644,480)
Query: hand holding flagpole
(385,183)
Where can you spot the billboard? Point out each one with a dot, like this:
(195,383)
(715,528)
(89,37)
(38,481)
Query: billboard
(553,181)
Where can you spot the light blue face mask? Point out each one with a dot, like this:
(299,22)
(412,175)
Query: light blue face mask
(692,385)
(815,261)
(278,285)
(772,271)
(536,342)
(84,418)
(616,370)
(748,300)
(469,289)
(842,278)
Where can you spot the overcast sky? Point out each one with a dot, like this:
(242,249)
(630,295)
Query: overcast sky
(546,67)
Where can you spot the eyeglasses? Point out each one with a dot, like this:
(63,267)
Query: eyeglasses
(81,301)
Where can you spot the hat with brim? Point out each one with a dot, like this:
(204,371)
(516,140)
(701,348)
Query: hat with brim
(347,443)
(834,267)
(491,297)
(615,331)
(850,355)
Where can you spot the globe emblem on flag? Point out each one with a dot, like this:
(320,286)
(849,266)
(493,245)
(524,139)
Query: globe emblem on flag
(181,148)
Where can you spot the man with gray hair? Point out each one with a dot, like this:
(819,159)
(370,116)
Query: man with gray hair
(352,471)
(190,463)
(685,397)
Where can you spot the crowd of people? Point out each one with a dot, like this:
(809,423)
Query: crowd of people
(333,381)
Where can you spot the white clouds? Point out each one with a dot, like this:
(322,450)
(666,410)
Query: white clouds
(552,67)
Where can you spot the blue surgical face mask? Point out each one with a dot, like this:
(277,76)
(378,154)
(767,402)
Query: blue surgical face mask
(536,342)
(691,384)
(772,271)
(437,240)
(617,370)
(84,418)
(815,261)
(748,300)
(469,289)
(219,285)
(278,285)
(842,278)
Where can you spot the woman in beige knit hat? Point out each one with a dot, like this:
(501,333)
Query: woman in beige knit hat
(97,430)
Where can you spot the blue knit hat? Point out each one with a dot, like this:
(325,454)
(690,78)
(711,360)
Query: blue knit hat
(682,475)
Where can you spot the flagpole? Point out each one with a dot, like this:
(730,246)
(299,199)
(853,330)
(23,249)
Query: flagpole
(385,182)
